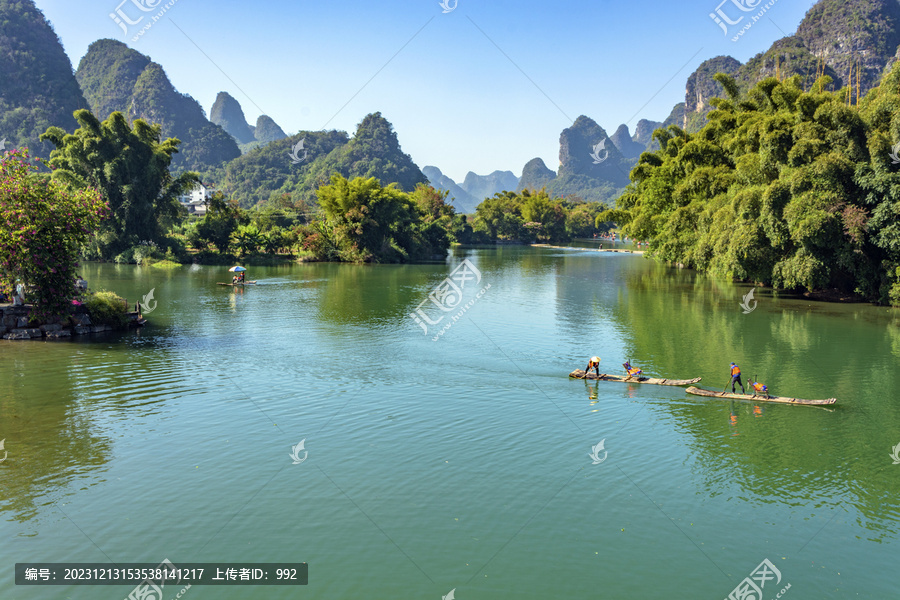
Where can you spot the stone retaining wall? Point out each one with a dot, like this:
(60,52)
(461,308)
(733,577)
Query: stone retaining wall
(16,324)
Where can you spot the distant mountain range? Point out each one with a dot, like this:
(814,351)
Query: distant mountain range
(475,188)
(853,41)
(591,165)
(594,166)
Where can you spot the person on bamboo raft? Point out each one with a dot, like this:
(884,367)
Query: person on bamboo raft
(632,371)
(736,378)
(759,389)
(594,363)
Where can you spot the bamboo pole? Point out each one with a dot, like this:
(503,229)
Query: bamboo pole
(857,80)
(850,80)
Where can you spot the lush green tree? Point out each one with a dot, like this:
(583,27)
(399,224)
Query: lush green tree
(318,239)
(217,225)
(462,232)
(432,203)
(276,240)
(247,239)
(528,216)
(369,222)
(45,223)
(500,217)
(549,215)
(581,220)
(130,167)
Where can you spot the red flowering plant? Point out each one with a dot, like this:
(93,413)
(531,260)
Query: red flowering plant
(43,225)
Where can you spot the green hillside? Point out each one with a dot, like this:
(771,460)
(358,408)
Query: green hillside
(116,78)
(37,87)
(269,172)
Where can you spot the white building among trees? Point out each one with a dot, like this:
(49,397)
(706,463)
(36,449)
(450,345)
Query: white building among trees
(195,200)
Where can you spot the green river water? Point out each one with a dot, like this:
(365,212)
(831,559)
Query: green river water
(458,461)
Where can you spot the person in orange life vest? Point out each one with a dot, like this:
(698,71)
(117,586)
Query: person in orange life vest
(632,371)
(594,363)
(759,389)
(736,378)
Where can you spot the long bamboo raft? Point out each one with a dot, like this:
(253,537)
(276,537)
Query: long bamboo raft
(762,398)
(239,284)
(579,374)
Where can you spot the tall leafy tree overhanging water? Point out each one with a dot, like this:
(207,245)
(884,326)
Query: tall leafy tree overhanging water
(130,167)
(791,188)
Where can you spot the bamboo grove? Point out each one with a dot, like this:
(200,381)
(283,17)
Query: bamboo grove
(783,187)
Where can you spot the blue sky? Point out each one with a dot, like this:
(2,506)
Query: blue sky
(488,85)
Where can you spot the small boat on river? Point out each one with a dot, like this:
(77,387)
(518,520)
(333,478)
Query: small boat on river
(238,280)
(579,374)
(758,398)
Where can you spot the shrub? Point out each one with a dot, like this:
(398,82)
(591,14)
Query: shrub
(176,248)
(165,264)
(107,308)
(125,257)
(144,253)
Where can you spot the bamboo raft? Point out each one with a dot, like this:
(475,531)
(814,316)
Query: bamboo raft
(579,374)
(757,398)
(237,284)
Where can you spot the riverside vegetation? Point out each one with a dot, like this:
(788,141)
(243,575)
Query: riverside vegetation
(795,189)
(783,186)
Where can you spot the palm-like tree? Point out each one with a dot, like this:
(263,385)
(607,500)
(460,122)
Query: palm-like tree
(247,239)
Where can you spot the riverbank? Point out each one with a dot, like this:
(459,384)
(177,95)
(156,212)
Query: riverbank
(16,323)
(624,250)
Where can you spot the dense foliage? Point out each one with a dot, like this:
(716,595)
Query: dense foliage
(536,217)
(783,187)
(37,88)
(44,225)
(367,222)
(267,172)
(217,226)
(130,167)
